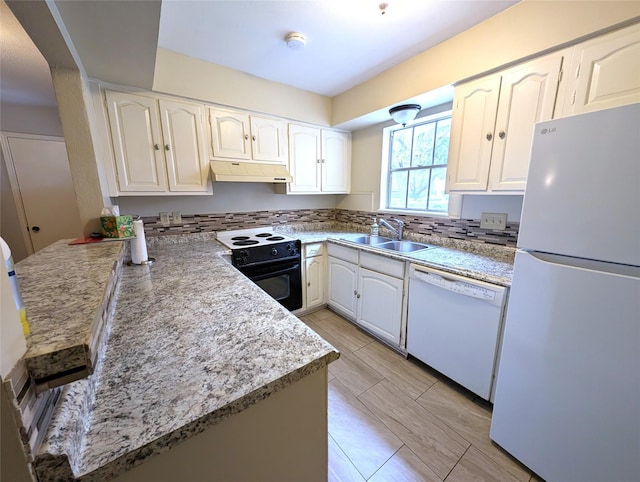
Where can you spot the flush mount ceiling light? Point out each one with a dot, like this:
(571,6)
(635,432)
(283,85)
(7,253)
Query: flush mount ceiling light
(404,113)
(295,40)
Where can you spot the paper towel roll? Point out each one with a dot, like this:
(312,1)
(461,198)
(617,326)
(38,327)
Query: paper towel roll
(139,244)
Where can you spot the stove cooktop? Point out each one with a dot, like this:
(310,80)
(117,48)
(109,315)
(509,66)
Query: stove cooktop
(242,238)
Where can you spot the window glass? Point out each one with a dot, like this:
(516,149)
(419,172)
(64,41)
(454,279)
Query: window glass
(418,165)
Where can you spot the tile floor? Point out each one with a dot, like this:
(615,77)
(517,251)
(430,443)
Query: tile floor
(393,419)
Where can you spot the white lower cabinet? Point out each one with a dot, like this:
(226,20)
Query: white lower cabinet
(368,289)
(380,304)
(314,268)
(342,281)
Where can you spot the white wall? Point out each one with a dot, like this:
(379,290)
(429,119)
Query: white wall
(30,119)
(228,197)
(185,76)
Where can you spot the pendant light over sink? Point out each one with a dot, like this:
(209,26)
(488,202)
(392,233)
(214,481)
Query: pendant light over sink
(404,113)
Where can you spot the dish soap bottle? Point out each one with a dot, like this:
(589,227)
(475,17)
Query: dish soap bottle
(374,227)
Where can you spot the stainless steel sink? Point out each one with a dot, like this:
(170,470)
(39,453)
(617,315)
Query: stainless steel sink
(403,246)
(370,240)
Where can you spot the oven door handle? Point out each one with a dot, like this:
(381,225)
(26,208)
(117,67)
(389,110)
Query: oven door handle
(270,261)
(273,274)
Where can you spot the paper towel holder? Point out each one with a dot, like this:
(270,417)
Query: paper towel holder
(148,261)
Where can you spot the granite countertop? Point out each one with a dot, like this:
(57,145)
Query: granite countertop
(480,261)
(192,341)
(65,289)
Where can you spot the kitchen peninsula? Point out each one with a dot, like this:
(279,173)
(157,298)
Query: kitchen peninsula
(201,361)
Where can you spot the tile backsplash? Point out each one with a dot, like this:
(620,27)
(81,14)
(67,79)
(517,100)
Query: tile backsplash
(463,229)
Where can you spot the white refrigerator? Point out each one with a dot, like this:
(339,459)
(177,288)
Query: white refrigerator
(567,401)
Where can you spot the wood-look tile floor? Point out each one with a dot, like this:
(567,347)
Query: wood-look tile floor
(392,419)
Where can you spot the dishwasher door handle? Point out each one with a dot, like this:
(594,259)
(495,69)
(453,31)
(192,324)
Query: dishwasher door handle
(478,290)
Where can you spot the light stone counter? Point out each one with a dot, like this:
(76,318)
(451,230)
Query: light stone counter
(66,291)
(192,342)
(481,261)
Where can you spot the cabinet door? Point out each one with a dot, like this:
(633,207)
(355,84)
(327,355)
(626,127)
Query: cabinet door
(380,309)
(527,96)
(230,134)
(268,140)
(137,143)
(605,72)
(472,125)
(336,161)
(184,145)
(314,272)
(342,282)
(304,159)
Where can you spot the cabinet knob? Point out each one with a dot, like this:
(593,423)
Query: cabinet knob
(358,296)
(156,147)
(253,137)
(318,161)
(35,229)
(167,147)
(489,136)
(502,134)
(355,292)
(322,161)
(308,284)
(246,137)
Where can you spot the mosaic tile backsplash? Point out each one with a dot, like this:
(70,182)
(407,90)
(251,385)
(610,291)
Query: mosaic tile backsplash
(464,229)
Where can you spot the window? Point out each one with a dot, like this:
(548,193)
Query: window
(417,165)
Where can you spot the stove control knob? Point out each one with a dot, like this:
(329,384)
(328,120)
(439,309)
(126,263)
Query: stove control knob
(274,251)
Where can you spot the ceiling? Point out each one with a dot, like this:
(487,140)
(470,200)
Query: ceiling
(347,41)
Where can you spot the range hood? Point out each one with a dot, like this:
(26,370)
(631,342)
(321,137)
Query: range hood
(234,171)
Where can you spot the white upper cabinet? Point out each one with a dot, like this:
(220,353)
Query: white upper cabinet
(492,125)
(472,124)
(319,160)
(304,159)
(604,73)
(527,96)
(137,143)
(268,139)
(158,146)
(184,145)
(335,161)
(236,135)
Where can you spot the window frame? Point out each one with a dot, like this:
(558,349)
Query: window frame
(385,172)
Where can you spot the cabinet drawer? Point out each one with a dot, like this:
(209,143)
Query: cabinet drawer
(342,252)
(313,249)
(381,264)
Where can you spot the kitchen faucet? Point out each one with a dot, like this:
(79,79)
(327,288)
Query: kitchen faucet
(397,231)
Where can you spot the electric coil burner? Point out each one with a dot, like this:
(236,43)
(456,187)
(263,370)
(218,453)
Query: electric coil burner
(272,261)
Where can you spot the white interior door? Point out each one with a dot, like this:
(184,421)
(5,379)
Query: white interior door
(42,177)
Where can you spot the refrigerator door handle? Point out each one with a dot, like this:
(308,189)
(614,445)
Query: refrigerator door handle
(587,264)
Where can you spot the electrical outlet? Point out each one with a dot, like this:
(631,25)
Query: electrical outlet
(165,220)
(495,221)
(177,217)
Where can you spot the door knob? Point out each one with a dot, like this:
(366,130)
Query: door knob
(35,229)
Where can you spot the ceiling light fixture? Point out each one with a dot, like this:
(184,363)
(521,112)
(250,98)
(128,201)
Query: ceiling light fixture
(404,113)
(295,40)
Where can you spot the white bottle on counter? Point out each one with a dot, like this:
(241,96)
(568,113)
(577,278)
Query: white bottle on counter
(12,336)
(374,227)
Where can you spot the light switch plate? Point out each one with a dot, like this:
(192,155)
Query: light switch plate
(495,221)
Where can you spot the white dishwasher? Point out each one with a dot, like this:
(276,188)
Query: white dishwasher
(454,325)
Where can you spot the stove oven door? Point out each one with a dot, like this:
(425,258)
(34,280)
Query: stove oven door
(281,280)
